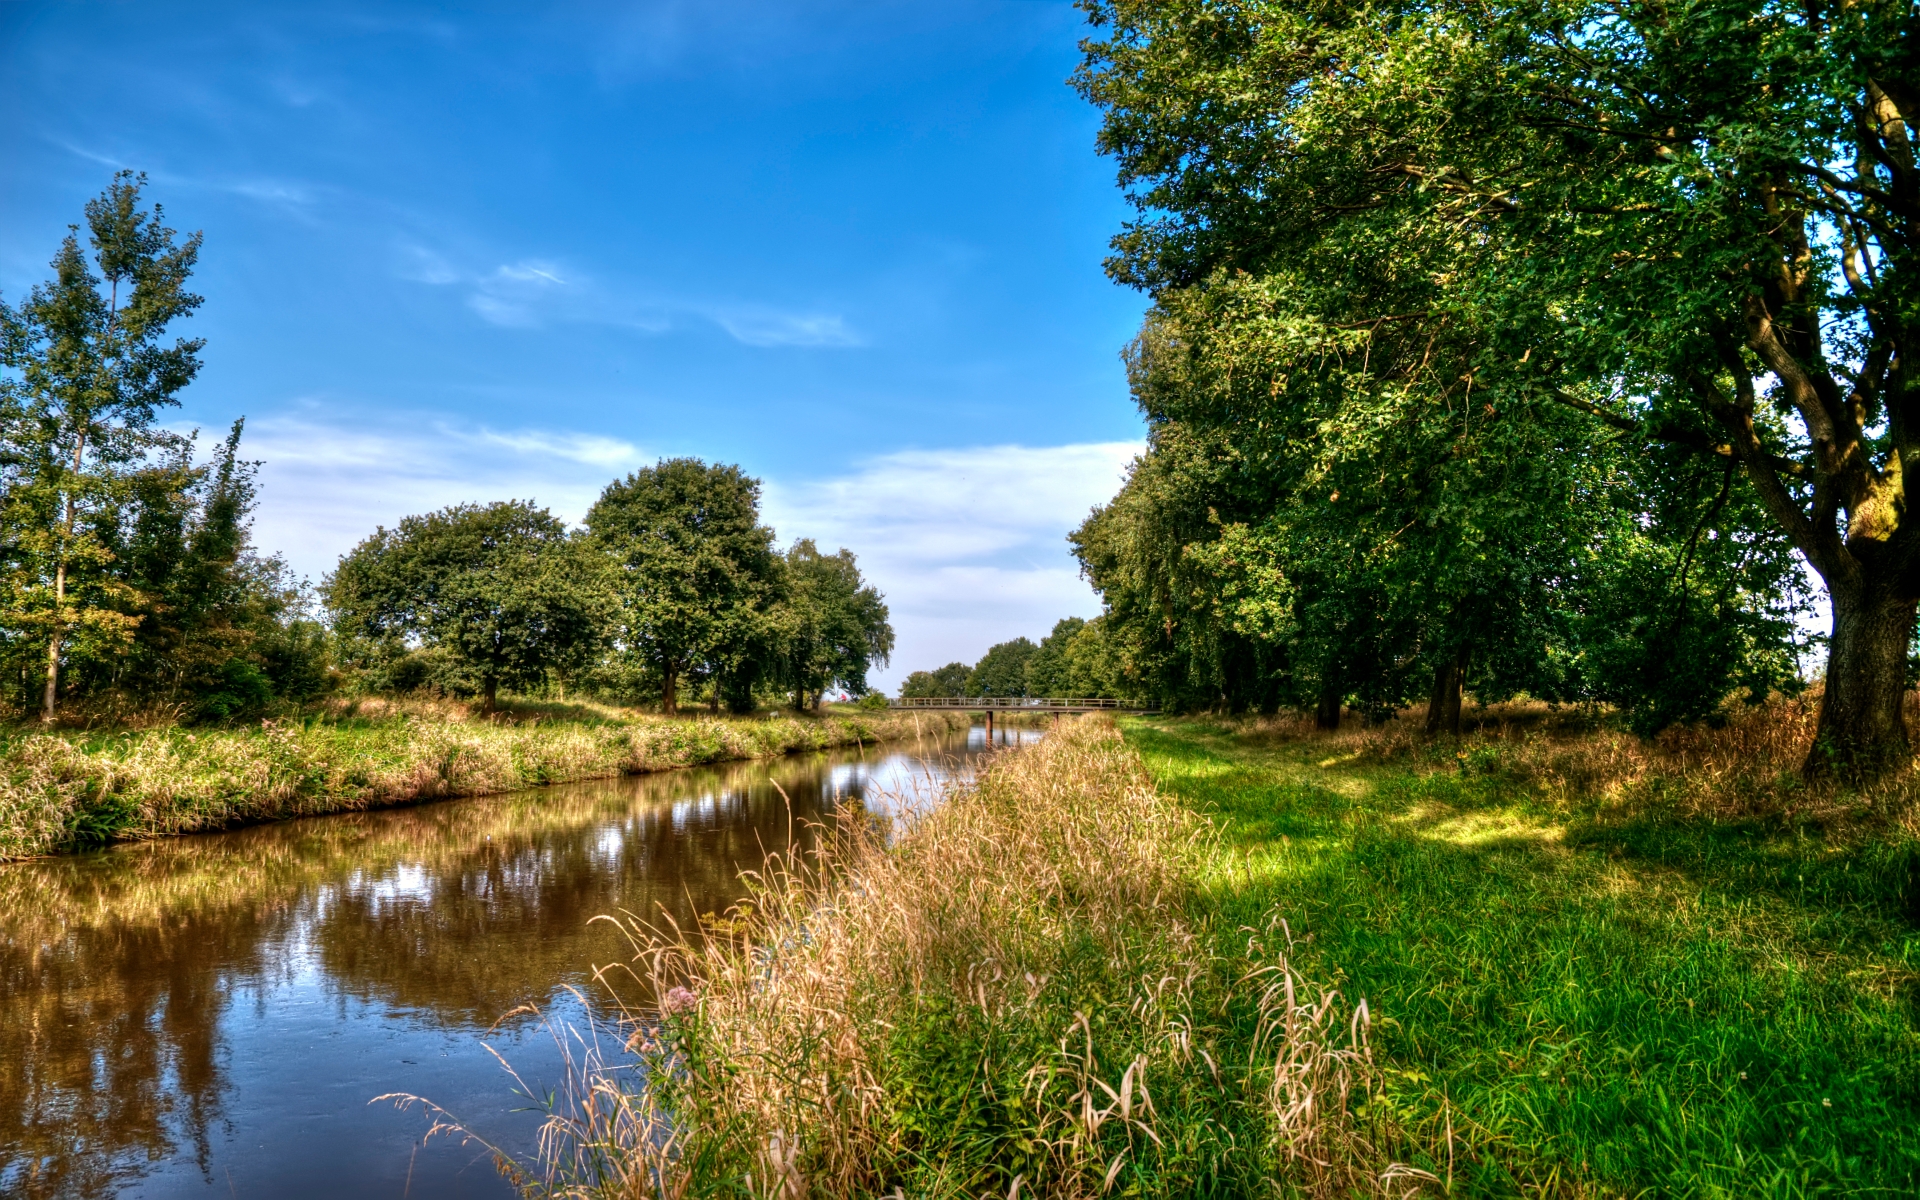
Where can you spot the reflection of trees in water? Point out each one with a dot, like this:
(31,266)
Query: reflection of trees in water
(115,969)
(110,1039)
(504,922)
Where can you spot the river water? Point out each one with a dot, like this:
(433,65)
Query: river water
(209,1016)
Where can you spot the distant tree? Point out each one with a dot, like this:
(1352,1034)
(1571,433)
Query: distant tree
(1049,673)
(695,573)
(1095,667)
(950,680)
(501,589)
(833,625)
(88,367)
(1002,671)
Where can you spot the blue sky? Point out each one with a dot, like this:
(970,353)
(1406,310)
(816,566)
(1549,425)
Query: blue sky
(854,248)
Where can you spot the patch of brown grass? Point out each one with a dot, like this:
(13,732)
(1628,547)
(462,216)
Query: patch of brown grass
(1746,768)
(1013,995)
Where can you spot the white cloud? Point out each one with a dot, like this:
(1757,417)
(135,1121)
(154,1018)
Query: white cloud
(969,544)
(767,327)
(326,484)
(530,292)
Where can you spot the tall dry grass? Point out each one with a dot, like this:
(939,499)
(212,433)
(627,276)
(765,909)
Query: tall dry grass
(1013,995)
(59,790)
(1747,768)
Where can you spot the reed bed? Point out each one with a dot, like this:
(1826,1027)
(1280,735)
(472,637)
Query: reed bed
(62,791)
(1019,992)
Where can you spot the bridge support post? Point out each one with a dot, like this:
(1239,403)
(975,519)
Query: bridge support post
(989,728)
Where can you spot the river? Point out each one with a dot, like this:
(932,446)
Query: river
(210,1015)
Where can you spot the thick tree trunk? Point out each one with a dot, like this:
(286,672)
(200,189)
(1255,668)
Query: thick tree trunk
(669,692)
(1863,732)
(1327,715)
(1443,709)
(490,693)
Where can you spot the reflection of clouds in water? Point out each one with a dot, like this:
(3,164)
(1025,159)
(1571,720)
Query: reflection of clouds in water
(405,881)
(156,1029)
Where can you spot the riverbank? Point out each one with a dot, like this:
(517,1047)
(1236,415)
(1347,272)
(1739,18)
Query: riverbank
(1589,967)
(68,790)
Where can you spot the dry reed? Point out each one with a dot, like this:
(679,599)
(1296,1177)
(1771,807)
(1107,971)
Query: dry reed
(1014,994)
(60,790)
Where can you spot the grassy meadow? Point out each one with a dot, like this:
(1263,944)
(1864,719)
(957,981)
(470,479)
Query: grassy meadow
(1204,957)
(67,790)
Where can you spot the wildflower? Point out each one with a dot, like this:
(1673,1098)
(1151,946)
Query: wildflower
(679,1000)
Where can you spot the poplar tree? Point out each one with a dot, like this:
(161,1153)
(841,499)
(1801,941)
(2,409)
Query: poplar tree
(89,366)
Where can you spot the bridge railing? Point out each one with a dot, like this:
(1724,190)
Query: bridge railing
(1021,703)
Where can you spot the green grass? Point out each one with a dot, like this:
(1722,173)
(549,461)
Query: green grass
(1590,999)
(69,790)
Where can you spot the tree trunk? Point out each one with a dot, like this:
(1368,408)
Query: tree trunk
(1327,716)
(1443,710)
(669,693)
(1862,733)
(490,695)
(713,701)
(53,642)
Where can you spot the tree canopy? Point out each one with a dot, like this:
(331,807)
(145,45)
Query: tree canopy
(833,625)
(696,575)
(501,589)
(1688,229)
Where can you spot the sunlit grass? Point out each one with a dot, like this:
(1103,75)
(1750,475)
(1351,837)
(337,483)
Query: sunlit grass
(65,790)
(1023,994)
(1598,968)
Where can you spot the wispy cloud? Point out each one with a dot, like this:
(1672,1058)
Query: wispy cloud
(285,194)
(327,483)
(530,293)
(765,327)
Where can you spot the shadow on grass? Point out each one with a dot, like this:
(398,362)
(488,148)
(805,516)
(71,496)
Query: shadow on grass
(1643,1004)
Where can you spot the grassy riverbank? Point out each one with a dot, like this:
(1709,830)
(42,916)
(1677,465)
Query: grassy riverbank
(71,789)
(1598,968)
(1590,967)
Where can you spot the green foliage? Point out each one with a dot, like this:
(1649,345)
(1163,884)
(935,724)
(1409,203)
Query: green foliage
(950,680)
(832,625)
(88,368)
(501,591)
(1049,673)
(696,576)
(119,553)
(1002,671)
(1692,230)
(1370,479)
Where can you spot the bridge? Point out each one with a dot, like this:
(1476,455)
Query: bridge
(1018,704)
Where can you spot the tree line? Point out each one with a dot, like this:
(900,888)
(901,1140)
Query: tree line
(1520,350)
(128,581)
(1075,660)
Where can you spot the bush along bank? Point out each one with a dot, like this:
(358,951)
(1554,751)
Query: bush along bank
(1022,992)
(61,792)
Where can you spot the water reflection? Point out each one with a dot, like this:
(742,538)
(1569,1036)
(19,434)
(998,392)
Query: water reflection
(212,1013)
